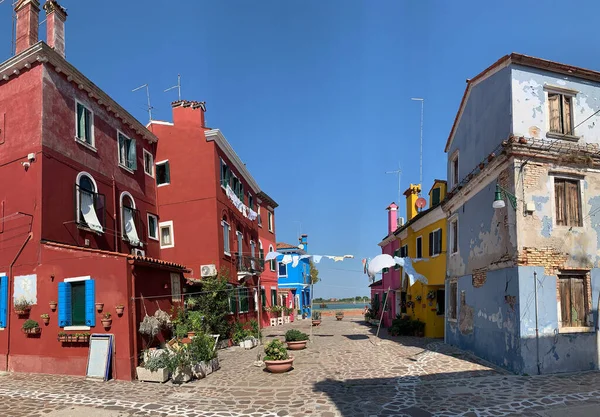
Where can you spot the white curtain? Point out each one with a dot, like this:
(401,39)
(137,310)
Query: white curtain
(130,229)
(89,212)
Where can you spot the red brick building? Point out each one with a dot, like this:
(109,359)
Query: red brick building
(78,210)
(267,243)
(209,206)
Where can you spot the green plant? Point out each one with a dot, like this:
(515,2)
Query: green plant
(275,309)
(195,319)
(316,315)
(30,324)
(156,361)
(276,351)
(418,298)
(406,327)
(45,316)
(192,303)
(339,313)
(254,328)
(202,348)
(179,359)
(313,272)
(106,316)
(62,334)
(295,336)
(23,304)
(431,295)
(214,304)
(239,333)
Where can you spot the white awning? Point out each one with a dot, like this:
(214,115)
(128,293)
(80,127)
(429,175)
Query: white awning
(130,230)
(89,212)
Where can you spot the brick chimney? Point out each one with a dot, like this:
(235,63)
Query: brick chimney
(392,217)
(189,113)
(56,16)
(28,21)
(304,241)
(412,194)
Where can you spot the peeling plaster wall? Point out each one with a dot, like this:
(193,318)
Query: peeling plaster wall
(485,122)
(530,106)
(558,352)
(488,321)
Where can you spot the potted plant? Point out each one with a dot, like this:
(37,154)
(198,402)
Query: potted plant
(419,328)
(106,320)
(31,327)
(155,368)
(53,305)
(277,359)
(62,337)
(295,339)
(180,365)
(99,307)
(22,306)
(202,352)
(481,165)
(45,318)
(83,337)
(418,298)
(120,308)
(431,295)
(316,318)
(339,315)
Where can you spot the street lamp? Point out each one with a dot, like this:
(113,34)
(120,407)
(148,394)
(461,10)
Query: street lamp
(499,198)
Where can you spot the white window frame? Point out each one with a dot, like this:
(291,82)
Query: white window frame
(271,249)
(418,239)
(91,146)
(125,167)
(270,219)
(168,224)
(164,161)
(240,243)
(286,270)
(258,218)
(447,313)
(452,250)
(571,94)
(226,239)
(252,249)
(151,173)
(223,164)
(125,194)
(156,230)
(77,279)
(454,172)
(78,197)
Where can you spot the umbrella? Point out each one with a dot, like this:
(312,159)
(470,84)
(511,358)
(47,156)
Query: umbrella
(378,263)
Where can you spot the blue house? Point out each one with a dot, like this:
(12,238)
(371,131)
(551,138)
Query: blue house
(295,275)
(523,276)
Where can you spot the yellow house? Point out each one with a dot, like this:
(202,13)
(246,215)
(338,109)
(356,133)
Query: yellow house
(423,238)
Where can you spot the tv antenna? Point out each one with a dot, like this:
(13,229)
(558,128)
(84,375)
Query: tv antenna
(178,87)
(13,44)
(148,96)
(397,172)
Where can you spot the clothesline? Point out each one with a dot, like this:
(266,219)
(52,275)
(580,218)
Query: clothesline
(295,259)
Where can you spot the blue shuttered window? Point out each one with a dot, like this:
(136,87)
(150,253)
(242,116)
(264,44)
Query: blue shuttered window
(90,303)
(3,300)
(77,303)
(65,315)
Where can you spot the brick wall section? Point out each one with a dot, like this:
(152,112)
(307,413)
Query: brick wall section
(479,276)
(533,172)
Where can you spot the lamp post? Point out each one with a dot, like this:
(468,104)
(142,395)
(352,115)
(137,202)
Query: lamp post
(499,196)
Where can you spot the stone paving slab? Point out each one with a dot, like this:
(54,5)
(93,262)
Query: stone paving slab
(344,371)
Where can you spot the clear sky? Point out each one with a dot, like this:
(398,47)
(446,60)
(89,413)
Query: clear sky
(314,95)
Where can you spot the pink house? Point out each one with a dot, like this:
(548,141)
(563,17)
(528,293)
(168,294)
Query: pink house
(390,282)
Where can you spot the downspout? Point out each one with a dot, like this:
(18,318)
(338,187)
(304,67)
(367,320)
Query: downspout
(10,276)
(132,317)
(259,308)
(598,333)
(537,331)
(114,189)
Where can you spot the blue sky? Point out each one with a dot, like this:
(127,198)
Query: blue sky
(315,95)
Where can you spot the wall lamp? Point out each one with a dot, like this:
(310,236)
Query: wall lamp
(501,193)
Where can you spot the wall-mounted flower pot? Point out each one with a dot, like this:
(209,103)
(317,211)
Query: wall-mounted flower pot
(53,305)
(106,323)
(35,330)
(491,157)
(481,166)
(23,312)
(99,307)
(190,335)
(120,310)
(46,320)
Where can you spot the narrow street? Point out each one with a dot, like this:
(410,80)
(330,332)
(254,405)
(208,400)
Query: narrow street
(346,371)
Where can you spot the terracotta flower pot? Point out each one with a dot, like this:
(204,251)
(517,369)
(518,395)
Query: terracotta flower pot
(119,310)
(278,367)
(35,330)
(53,306)
(46,320)
(106,323)
(339,318)
(316,322)
(99,307)
(297,345)
(23,312)
(191,334)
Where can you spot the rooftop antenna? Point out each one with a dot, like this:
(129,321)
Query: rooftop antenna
(399,173)
(13,45)
(178,87)
(147,95)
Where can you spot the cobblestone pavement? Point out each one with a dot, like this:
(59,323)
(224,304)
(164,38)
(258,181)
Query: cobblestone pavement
(345,371)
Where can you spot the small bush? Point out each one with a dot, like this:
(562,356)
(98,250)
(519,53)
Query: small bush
(202,348)
(276,351)
(30,324)
(295,336)
(156,361)
(316,315)
(239,333)
(406,327)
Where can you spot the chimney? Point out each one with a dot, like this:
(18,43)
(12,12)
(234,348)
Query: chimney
(189,113)
(392,217)
(28,20)
(56,16)
(412,193)
(304,241)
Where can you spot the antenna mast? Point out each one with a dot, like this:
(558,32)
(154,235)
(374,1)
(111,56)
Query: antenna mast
(178,87)
(147,95)
(399,173)
(13,43)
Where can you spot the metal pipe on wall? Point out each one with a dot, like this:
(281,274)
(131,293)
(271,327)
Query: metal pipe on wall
(537,332)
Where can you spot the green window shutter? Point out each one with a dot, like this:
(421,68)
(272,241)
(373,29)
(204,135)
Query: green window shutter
(241,192)
(168,172)
(263,297)
(132,163)
(397,252)
(78,303)
(435,196)
(80,121)
(88,126)
(232,301)
(431,244)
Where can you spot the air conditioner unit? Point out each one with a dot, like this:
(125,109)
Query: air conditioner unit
(208,270)
(138,252)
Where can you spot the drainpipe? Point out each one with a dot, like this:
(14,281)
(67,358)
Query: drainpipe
(598,333)
(259,308)
(537,332)
(133,315)
(114,190)
(10,277)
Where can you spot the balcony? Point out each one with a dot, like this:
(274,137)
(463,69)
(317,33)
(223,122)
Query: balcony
(247,266)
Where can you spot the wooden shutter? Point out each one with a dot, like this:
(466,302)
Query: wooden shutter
(431,244)
(90,303)
(454,236)
(566,108)
(554,105)
(3,300)
(263,297)
(573,203)
(559,201)
(435,196)
(65,316)
(577,302)
(565,301)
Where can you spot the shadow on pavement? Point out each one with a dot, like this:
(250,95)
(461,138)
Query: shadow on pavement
(356,336)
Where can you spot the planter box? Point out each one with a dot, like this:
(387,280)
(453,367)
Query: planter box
(161,375)
(202,370)
(182,375)
(215,364)
(249,344)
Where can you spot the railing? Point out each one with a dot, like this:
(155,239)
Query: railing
(249,264)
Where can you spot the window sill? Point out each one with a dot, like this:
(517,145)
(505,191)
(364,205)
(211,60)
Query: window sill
(150,175)
(583,329)
(86,145)
(452,320)
(167,246)
(153,238)
(87,229)
(228,254)
(126,168)
(77,328)
(554,135)
(163,184)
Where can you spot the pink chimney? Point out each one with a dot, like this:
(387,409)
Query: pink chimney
(392,217)
(56,15)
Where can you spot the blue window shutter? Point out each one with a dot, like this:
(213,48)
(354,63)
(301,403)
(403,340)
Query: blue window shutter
(90,303)
(3,300)
(64,304)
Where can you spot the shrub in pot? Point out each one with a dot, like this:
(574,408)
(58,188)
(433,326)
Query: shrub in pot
(45,318)
(202,352)
(316,318)
(339,315)
(31,327)
(22,306)
(295,339)
(180,365)
(277,359)
(156,366)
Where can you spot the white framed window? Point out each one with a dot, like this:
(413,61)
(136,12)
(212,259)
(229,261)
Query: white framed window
(152,226)
(148,163)
(272,262)
(84,122)
(258,218)
(129,217)
(163,173)
(250,201)
(435,242)
(167,237)
(89,203)
(127,152)
(75,311)
(240,238)
(454,170)
(270,221)
(454,236)
(282,270)
(226,247)
(560,111)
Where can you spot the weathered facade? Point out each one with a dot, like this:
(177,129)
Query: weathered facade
(523,279)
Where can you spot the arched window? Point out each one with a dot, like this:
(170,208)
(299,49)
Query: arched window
(89,210)
(273,262)
(129,217)
(225,225)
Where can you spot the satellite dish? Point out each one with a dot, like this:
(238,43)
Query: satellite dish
(301,246)
(420,203)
